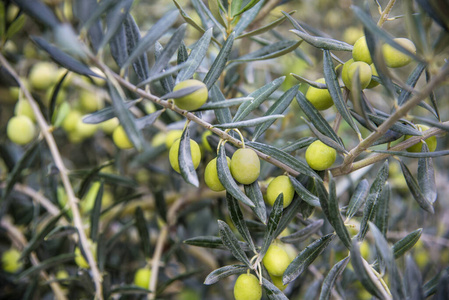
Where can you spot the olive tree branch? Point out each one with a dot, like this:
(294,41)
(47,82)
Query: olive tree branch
(384,15)
(19,239)
(401,112)
(72,200)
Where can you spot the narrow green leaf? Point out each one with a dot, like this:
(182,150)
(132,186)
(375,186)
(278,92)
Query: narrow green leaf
(265,28)
(39,11)
(366,274)
(288,215)
(225,104)
(231,242)
(406,243)
(150,38)
(375,192)
(411,81)
(315,84)
(46,264)
(202,9)
(170,49)
(382,213)
(430,287)
(331,277)
(148,120)
(299,144)
(386,254)
(225,177)
(415,190)
(358,198)
(250,123)
(132,33)
(278,107)
(223,114)
(95,214)
(335,90)
(213,242)
(255,194)
(89,176)
(305,194)
(247,18)
(316,118)
(432,97)
(185,160)
(126,118)
(291,161)
(63,58)
(268,52)
(224,272)
(196,56)
(272,292)
(167,82)
(164,73)
(306,258)
(326,140)
(144,233)
(219,63)
(54,96)
(161,205)
(27,159)
(413,280)
(237,219)
(248,5)
(214,8)
(60,231)
(91,17)
(273,222)
(128,290)
(115,19)
(329,205)
(426,176)
(323,43)
(259,95)
(15,27)
(181,92)
(235,7)
(303,234)
(414,154)
(398,126)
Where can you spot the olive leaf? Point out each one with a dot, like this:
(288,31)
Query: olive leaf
(231,242)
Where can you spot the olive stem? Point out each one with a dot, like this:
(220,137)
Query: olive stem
(384,15)
(72,200)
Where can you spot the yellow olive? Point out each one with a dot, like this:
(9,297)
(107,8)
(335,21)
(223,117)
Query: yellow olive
(320,98)
(121,139)
(10,261)
(211,175)
(245,166)
(194,100)
(79,258)
(85,130)
(395,58)
(172,136)
(43,75)
(365,74)
(373,83)
(174,153)
(360,52)
(90,101)
(109,126)
(142,277)
(247,287)
(431,141)
(278,185)
(23,108)
(319,156)
(277,281)
(71,120)
(276,260)
(20,130)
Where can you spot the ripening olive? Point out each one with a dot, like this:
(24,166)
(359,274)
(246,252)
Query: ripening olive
(247,287)
(278,185)
(360,52)
(20,130)
(245,165)
(320,98)
(121,139)
(319,156)
(11,262)
(211,175)
(142,277)
(395,58)
(431,141)
(194,100)
(276,260)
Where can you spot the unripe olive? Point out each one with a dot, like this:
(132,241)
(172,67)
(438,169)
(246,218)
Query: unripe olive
(43,75)
(373,83)
(142,277)
(278,185)
(23,108)
(194,100)
(20,130)
(247,287)
(245,165)
(360,52)
(365,74)
(352,34)
(205,142)
(173,154)
(320,98)
(10,261)
(71,120)
(159,139)
(110,125)
(172,136)
(121,139)
(319,156)
(431,141)
(85,130)
(276,260)
(90,101)
(277,281)
(211,175)
(79,258)
(395,58)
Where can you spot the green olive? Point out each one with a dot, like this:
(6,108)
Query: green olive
(11,262)
(174,153)
(110,125)
(395,58)
(365,74)
(20,130)
(142,277)
(121,139)
(79,258)
(320,98)
(90,101)
(276,260)
(23,108)
(194,100)
(360,52)
(319,156)
(71,120)
(278,185)
(43,75)
(247,287)
(277,281)
(172,136)
(211,175)
(85,130)
(245,166)
(431,141)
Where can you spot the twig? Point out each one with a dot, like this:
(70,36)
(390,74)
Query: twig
(17,236)
(156,261)
(385,13)
(46,132)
